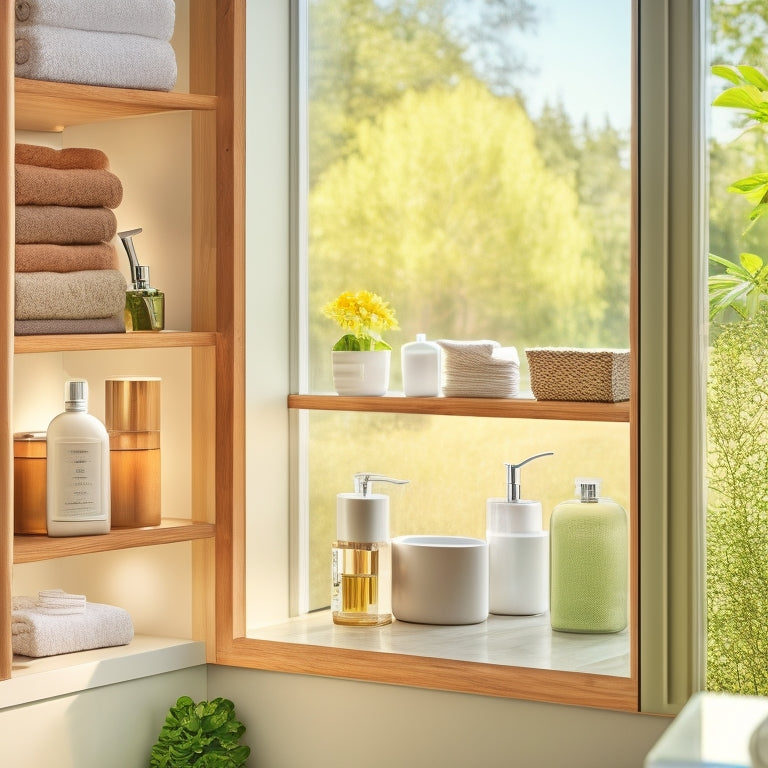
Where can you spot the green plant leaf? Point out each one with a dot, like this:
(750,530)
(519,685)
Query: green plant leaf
(347,343)
(727,72)
(751,262)
(753,76)
(740,97)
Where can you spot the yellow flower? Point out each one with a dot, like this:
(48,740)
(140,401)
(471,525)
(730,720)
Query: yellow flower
(363,316)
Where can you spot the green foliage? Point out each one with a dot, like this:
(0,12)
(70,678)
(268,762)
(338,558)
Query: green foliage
(737,513)
(743,287)
(351,343)
(750,94)
(205,735)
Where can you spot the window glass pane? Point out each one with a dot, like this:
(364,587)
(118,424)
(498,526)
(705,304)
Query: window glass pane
(468,161)
(737,395)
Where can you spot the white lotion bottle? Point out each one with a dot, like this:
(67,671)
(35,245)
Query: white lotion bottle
(77,468)
(421,362)
(361,556)
(518,551)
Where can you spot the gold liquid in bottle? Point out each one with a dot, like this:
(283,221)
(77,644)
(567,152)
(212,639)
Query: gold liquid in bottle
(355,595)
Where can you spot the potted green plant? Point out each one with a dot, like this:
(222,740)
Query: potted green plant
(361,357)
(205,734)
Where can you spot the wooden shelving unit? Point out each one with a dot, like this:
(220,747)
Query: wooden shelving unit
(30,549)
(513,408)
(217,129)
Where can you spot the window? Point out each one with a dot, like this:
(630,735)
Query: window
(668,407)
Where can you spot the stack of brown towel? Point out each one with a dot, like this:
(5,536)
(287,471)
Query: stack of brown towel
(67,280)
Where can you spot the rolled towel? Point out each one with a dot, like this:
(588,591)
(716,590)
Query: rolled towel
(99,626)
(94,58)
(69,295)
(64,225)
(114,324)
(82,187)
(153,18)
(50,257)
(63,159)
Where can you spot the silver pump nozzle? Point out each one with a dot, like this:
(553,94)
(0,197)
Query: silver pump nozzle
(513,476)
(127,240)
(363,479)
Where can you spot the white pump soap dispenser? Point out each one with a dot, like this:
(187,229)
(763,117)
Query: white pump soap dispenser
(518,551)
(361,566)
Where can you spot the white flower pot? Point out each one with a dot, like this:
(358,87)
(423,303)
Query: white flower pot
(361,373)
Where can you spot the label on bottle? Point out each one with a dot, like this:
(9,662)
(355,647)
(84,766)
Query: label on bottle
(77,473)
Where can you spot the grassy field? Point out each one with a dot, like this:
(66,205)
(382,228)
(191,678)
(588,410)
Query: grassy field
(453,464)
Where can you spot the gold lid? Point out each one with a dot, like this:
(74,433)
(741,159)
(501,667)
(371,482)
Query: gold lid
(132,403)
(29,445)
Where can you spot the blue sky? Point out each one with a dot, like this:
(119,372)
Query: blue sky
(582,54)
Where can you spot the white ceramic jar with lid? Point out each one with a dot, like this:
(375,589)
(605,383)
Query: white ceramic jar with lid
(422,367)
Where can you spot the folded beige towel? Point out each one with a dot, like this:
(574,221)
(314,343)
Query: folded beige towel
(69,295)
(39,634)
(49,257)
(114,324)
(154,18)
(82,187)
(64,224)
(70,157)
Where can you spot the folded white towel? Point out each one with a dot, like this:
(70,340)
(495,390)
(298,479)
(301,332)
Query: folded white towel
(153,18)
(57,601)
(480,369)
(112,59)
(40,634)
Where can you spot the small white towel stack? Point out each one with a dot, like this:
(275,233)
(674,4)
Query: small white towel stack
(59,622)
(97,42)
(480,369)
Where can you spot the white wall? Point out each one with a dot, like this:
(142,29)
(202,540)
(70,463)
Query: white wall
(113,726)
(296,721)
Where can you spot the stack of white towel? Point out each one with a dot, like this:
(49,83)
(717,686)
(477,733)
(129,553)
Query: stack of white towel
(479,369)
(97,42)
(59,622)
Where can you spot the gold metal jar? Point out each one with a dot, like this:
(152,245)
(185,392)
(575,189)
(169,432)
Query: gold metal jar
(132,418)
(29,467)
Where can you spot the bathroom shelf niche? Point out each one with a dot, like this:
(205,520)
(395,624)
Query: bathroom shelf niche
(105,341)
(209,394)
(512,408)
(44,106)
(31,549)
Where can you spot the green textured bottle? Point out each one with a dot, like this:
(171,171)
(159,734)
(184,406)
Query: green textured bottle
(589,562)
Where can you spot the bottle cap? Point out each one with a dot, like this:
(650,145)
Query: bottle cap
(588,489)
(76,394)
(132,403)
(362,519)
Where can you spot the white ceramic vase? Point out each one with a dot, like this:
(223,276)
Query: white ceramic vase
(361,373)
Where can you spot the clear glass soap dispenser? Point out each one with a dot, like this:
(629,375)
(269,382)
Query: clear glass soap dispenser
(589,562)
(144,304)
(361,568)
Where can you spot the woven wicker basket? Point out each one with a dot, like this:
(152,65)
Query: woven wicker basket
(588,375)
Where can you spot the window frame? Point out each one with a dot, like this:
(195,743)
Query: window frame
(666,404)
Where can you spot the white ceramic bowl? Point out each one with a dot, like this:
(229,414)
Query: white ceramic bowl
(440,579)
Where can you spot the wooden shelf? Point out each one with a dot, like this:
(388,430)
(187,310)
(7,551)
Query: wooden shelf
(30,549)
(102,341)
(513,408)
(46,106)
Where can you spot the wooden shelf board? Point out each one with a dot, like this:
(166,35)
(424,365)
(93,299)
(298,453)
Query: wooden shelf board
(102,341)
(513,408)
(46,106)
(30,549)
